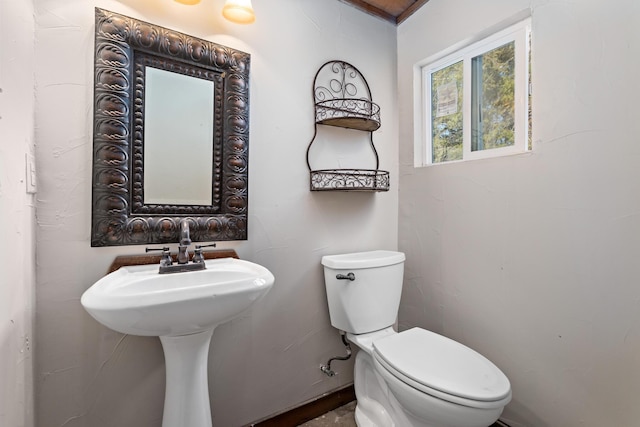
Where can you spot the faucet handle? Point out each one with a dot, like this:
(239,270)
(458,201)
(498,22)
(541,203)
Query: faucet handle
(213,245)
(197,253)
(166,255)
(197,257)
(163,249)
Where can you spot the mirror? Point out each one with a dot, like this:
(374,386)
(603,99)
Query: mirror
(170,137)
(178,122)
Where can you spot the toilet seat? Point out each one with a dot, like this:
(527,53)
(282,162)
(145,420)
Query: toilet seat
(443,368)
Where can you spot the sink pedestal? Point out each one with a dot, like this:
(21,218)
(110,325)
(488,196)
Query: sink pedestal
(186,401)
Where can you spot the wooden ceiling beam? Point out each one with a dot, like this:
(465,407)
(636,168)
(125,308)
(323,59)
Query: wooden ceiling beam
(363,5)
(410,10)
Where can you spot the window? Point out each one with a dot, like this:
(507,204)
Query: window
(476,99)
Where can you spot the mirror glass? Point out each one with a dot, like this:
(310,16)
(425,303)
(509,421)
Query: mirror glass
(170,135)
(178,123)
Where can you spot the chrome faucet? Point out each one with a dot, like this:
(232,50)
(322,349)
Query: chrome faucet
(182,264)
(185,241)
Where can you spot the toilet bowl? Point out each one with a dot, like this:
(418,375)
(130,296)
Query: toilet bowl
(410,378)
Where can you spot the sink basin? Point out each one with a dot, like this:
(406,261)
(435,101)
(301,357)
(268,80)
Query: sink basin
(182,309)
(137,300)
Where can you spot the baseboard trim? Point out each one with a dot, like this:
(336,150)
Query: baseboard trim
(309,410)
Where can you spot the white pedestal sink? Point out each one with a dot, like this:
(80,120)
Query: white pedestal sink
(182,309)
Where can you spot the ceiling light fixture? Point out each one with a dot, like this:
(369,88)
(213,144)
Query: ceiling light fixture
(238,11)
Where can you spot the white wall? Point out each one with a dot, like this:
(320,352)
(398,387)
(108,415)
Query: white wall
(17,213)
(533,259)
(268,360)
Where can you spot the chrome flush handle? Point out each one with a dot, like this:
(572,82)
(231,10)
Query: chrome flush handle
(348,276)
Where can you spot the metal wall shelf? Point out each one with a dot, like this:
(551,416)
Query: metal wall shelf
(349,179)
(335,90)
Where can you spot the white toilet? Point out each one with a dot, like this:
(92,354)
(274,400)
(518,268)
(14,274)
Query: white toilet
(410,378)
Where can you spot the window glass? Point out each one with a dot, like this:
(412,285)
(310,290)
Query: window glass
(446,114)
(493,98)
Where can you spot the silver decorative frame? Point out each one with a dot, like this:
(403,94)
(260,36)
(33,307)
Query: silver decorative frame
(123,47)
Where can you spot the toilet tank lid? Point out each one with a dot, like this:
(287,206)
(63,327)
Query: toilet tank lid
(363,259)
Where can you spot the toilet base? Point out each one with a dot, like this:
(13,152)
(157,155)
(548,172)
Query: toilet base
(362,420)
(378,406)
(370,413)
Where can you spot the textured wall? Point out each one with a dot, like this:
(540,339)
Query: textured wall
(268,359)
(17,213)
(533,259)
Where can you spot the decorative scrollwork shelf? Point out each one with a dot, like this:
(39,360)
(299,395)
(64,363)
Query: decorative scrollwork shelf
(336,89)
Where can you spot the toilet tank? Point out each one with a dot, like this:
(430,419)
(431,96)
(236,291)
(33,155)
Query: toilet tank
(371,300)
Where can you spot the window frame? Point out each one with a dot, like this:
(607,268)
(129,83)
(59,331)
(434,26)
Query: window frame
(520,34)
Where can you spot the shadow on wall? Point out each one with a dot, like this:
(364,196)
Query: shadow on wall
(126,367)
(524,414)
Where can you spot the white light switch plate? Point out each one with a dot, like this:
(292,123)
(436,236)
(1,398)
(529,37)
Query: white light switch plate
(31,173)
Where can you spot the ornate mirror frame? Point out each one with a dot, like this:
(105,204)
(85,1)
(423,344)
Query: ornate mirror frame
(123,47)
